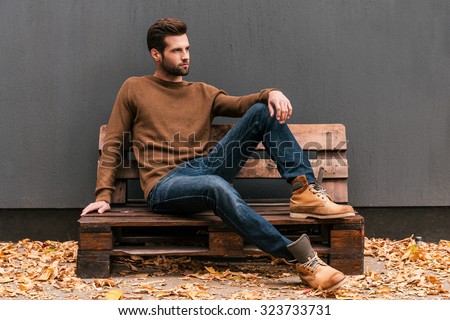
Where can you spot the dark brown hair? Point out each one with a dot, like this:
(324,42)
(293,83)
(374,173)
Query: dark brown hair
(162,28)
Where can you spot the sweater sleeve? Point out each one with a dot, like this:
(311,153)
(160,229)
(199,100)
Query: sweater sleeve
(235,106)
(120,121)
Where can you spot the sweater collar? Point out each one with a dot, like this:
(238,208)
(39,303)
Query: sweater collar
(167,83)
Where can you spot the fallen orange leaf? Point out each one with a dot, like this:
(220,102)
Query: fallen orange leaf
(114,295)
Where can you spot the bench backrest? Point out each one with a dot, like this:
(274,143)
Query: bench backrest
(326,145)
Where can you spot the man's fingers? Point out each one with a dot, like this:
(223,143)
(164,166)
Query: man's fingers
(283,111)
(101,206)
(278,103)
(289,111)
(271,111)
(104,208)
(89,208)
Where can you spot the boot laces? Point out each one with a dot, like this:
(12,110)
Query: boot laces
(312,263)
(319,191)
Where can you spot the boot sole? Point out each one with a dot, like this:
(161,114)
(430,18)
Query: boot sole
(299,215)
(336,286)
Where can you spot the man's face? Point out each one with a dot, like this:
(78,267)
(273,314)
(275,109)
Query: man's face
(175,59)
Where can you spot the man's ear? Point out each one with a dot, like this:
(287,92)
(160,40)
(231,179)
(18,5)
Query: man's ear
(156,55)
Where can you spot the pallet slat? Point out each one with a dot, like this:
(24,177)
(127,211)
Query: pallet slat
(150,219)
(258,169)
(309,136)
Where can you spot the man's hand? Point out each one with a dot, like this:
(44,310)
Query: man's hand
(280,105)
(99,206)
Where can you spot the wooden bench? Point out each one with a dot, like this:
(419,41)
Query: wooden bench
(131,229)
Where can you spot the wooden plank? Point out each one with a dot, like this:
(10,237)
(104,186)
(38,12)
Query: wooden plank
(336,189)
(198,220)
(120,194)
(93,265)
(346,241)
(257,169)
(269,212)
(319,248)
(95,241)
(309,136)
(195,251)
(320,136)
(349,266)
(325,155)
(150,221)
(350,226)
(163,250)
(333,168)
(171,237)
(267,169)
(264,209)
(94,229)
(225,243)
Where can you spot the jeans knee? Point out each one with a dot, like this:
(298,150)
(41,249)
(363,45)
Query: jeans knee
(221,191)
(218,185)
(260,112)
(260,108)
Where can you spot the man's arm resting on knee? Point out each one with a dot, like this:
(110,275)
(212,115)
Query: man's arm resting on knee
(99,206)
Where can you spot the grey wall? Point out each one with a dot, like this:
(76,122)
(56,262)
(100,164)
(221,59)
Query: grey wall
(380,67)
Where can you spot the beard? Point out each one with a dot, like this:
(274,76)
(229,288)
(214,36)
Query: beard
(174,70)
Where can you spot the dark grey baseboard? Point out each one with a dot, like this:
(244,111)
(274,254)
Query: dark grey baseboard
(39,224)
(432,223)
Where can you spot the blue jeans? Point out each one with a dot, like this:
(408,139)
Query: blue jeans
(205,183)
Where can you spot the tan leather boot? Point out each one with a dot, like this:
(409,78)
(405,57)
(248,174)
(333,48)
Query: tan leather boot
(309,200)
(319,275)
(312,270)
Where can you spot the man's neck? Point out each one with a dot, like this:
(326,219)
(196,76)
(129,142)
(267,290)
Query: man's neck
(167,77)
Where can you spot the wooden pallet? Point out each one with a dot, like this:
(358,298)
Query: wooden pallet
(130,229)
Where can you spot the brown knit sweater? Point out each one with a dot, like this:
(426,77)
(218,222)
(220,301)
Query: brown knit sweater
(170,124)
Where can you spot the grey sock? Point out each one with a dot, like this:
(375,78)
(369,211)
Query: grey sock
(301,249)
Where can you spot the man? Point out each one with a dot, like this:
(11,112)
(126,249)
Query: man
(171,121)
